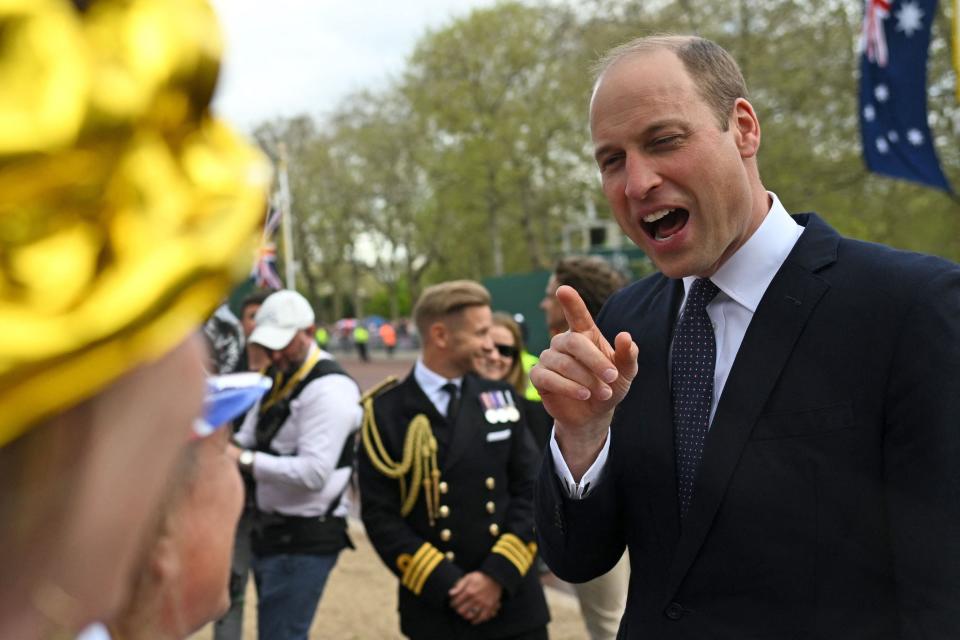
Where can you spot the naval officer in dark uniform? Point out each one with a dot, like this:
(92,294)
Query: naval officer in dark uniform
(446,472)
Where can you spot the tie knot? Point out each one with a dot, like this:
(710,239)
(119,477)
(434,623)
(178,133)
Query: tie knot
(701,293)
(451,388)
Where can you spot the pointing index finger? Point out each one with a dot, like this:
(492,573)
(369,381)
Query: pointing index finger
(574,310)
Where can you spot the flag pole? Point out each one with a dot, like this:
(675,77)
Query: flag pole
(289,262)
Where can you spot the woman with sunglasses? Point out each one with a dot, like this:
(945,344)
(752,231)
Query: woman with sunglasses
(503,363)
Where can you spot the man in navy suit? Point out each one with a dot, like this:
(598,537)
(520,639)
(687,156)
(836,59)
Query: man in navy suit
(769,424)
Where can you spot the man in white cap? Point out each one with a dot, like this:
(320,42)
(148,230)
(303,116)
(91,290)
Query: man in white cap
(297,444)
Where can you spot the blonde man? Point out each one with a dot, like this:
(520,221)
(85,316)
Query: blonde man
(454,522)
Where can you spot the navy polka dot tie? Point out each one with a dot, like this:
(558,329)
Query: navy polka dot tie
(694,359)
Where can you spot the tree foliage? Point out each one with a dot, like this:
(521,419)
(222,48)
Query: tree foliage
(472,161)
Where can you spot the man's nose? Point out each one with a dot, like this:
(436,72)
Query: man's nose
(642,178)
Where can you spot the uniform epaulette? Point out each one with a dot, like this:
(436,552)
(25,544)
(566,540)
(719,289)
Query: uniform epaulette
(389,383)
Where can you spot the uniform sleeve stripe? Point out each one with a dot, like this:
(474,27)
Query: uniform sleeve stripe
(424,549)
(513,549)
(415,568)
(515,560)
(420,569)
(428,568)
(509,540)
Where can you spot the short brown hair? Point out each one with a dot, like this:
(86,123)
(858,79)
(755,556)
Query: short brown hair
(713,70)
(442,300)
(592,277)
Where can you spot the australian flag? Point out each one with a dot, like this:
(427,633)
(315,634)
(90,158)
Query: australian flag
(893,91)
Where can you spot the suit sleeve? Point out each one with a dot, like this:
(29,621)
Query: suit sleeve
(922,461)
(513,554)
(419,565)
(579,539)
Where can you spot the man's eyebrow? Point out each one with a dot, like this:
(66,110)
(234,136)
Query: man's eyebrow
(650,130)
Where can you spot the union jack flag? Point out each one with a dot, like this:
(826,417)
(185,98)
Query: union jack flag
(265,267)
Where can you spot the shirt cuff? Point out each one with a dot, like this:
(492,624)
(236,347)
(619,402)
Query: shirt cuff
(578,491)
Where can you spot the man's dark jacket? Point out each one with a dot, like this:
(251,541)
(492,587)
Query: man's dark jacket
(486,520)
(827,503)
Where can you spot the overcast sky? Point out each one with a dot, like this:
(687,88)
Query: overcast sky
(287,57)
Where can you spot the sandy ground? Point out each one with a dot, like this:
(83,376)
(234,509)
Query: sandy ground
(360,600)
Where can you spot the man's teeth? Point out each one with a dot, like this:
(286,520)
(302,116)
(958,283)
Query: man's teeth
(656,215)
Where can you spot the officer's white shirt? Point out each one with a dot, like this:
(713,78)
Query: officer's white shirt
(742,280)
(303,480)
(432,384)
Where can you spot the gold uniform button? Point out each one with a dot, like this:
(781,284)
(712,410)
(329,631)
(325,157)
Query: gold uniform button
(491,508)
(443,487)
(494,530)
(490,483)
(444,511)
(449,556)
(445,535)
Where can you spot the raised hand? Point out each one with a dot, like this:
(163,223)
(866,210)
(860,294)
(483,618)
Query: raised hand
(581,379)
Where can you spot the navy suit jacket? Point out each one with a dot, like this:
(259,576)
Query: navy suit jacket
(827,503)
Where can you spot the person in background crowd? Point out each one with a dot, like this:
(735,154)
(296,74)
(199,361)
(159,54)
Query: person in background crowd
(769,423)
(602,600)
(297,444)
(361,336)
(224,341)
(105,282)
(527,359)
(503,363)
(389,338)
(322,337)
(590,276)
(454,523)
(254,358)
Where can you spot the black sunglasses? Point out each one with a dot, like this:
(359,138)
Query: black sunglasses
(506,350)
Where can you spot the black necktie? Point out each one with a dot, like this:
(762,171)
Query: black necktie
(454,405)
(694,360)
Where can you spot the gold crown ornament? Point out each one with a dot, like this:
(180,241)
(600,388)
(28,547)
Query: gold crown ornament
(126,210)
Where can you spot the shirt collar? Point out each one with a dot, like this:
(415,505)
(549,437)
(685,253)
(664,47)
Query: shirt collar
(431,381)
(745,276)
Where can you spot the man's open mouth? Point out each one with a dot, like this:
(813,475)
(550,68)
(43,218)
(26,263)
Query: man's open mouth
(660,225)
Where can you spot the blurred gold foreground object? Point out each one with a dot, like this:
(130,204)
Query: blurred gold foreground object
(127,210)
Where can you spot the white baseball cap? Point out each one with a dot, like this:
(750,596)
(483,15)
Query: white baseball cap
(279,318)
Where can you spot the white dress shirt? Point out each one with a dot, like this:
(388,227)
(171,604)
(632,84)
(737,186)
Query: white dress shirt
(742,280)
(95,631)
(304,480)
(432,384)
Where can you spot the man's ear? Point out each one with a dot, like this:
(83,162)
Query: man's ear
(439,334)
(746,128)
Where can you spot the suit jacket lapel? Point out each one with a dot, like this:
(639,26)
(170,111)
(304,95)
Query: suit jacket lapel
(649,410)
(777,324)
